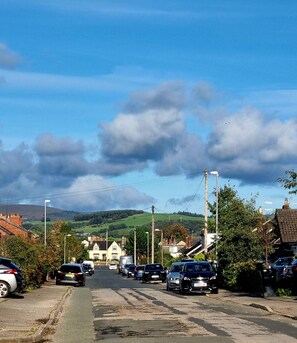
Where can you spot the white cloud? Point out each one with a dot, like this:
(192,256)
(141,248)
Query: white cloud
(8,58)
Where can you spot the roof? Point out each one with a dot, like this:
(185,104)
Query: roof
(287,223)
(101,245)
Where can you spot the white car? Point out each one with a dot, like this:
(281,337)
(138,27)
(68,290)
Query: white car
(11,279)
(113,265)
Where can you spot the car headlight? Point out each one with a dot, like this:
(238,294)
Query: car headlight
(187,278)
(213,278)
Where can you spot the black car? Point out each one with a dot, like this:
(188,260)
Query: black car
(198,277)
(88,269)
(154,272)
(71,273)
(130,271)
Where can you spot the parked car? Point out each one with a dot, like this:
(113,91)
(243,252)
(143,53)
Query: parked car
(130,271)
(88,270)
(289,275)
(279,265)
(71,273)
(113,265)
(11,277)
(198,277)
(138,272)
(123,261)
(91,263)
(172,280)
(125,268)
(154,272)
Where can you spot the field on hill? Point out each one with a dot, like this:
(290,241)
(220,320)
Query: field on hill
(123,226)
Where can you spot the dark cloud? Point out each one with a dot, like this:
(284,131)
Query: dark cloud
(14,162)
(167,96)
(8,58)
(182,201)
(61,157)
(204,93)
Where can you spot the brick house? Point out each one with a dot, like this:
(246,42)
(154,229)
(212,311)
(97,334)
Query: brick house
(12,225)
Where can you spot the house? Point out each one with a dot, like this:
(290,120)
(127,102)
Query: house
(286,230)
(100,250)
(12,225)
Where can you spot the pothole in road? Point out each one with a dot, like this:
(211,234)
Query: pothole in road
(137,328)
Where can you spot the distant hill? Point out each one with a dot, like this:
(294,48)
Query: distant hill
(36,213)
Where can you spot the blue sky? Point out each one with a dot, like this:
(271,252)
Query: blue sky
(123,104)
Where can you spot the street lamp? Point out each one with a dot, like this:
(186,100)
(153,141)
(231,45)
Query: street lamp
(45,202)
(65,236)
(147,246)
(162,256)
(106,244)
(216,173)
(135,256)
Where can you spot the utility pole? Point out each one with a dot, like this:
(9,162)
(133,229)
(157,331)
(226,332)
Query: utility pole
(205,211)
(153,233)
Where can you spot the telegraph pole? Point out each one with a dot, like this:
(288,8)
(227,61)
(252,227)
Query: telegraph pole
(153,233)
(205,211)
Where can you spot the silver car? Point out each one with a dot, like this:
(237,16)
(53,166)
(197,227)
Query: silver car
(11,279)
(172,280)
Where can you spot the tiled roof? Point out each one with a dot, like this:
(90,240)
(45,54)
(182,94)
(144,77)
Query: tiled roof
(101,245)
(287,223)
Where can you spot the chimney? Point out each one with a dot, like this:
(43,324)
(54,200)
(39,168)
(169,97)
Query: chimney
(286,205)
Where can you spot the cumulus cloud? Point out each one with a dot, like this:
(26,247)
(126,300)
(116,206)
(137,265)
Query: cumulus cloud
(166,96)
(138,138)
(252,148)
(14,162)
(94,193)
(61,157)
(8,58)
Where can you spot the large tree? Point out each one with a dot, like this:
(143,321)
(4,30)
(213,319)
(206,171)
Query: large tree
(290,182)
(240,238)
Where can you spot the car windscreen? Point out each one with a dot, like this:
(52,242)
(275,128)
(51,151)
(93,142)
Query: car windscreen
(176,268)
(198,267)
(70,269)
(153,267)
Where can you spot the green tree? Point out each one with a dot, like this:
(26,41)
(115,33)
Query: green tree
(239,239)
(290,182)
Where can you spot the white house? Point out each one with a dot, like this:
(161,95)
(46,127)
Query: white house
(104,250)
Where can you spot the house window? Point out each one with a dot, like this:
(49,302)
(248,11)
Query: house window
(114,256)
(114,248)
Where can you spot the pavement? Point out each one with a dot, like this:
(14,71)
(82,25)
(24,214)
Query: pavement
(29,317)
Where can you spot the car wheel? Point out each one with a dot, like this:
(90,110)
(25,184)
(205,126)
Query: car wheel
(215,291)
(4,289)
(167,287)
(182,290)
(143,281)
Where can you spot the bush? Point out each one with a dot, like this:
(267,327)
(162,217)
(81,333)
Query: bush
(245,276)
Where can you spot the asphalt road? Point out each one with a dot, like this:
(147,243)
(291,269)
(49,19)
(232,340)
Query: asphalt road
(117,309)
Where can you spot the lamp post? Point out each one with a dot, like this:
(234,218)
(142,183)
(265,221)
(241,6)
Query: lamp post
(65,237)
(147,246)
(216,173)
(45,202)
(135,256)
(106,244)
(162,256)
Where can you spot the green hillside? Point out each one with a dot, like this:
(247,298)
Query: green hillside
(123,226)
